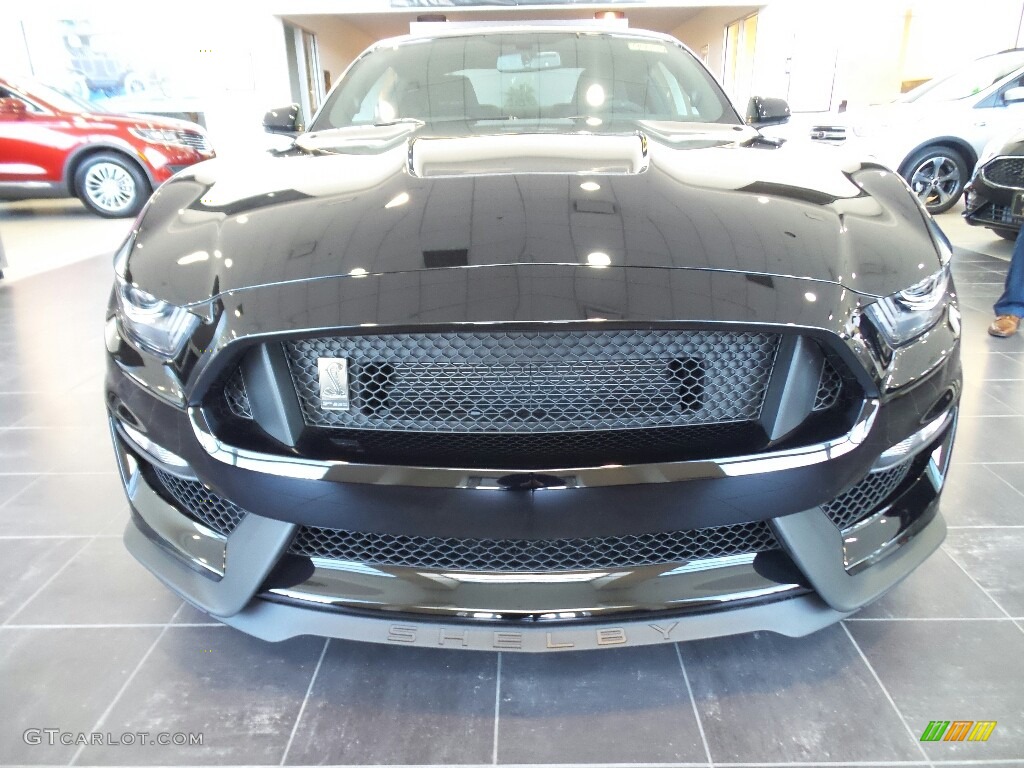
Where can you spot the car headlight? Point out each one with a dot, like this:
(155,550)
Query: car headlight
(157,135)
(909,313)
(865,130)
(153,324)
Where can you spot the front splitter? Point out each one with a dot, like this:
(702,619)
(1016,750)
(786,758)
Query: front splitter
(795,617)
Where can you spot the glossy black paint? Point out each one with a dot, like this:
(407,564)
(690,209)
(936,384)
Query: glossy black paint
(709,198)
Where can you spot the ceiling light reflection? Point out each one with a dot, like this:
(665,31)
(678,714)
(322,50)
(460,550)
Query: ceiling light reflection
(398,200)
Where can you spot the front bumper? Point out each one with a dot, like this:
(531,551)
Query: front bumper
(991,205)
(816,573)
(247,580)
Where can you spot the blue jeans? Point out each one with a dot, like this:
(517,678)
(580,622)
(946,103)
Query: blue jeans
(1012,300)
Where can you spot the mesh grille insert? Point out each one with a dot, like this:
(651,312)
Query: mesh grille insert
(532,556)
(236,396)
(537,382)
(866,497)
(830,385)
(1008,171)
(202,504)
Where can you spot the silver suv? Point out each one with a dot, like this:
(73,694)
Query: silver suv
(933,134)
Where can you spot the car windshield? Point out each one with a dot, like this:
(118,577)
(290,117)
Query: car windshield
(537,77)
(968,81)
(56,98)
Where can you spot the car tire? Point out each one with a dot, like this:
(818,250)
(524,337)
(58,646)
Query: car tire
(133,84)
(1006,234)
(937,176)
(111,185)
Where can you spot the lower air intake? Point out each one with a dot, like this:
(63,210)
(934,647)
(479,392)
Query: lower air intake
(521,556)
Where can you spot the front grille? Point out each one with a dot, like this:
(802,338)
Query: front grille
(831,133)
(202,504)
(538,382)
(194,140)
(867,496)
(1006,171)
(518,556)
(830,386)
(236,396)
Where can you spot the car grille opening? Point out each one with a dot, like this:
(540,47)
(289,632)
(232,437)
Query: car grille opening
(1006,171)
(236,396)
(200,503)
(522,556)
(830,133)
(997,214)
(194,139)
(538,400)
(867,496)
(534,382)
(830,387)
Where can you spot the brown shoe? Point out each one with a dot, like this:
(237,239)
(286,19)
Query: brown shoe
(1004,325)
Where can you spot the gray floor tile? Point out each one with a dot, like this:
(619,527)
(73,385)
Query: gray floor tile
(65,679)
(973,495)
(995,558)
(987,366)
(628,705)
(102,585)
(25,566)
(11,486)
(937,589)
(952,671)
(241,693)
(13,407)
(378,704)
(25,450)
(1014,475)
(768,698)
(72,409)
(65,505)
(982,403)
(991,442)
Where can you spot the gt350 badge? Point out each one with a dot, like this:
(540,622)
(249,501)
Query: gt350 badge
(333,383)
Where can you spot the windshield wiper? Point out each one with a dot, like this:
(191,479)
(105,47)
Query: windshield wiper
(400,121)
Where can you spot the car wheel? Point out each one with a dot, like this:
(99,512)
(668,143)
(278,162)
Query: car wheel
(937,175)
(1006,234)
(134,84)
(111,185)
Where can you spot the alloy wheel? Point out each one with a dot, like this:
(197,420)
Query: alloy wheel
(110,187)
(936,181)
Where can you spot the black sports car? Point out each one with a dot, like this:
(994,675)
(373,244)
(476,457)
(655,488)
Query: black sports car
(995,195)
(529,343)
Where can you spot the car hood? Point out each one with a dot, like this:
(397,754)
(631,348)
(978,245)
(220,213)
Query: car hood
(895,114)
(137,121)
(397,199)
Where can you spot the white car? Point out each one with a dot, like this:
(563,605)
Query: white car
(934,134)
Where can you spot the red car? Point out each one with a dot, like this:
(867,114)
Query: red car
(53,146)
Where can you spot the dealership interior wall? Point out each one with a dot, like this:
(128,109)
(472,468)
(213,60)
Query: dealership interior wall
(91,643)
(820,56)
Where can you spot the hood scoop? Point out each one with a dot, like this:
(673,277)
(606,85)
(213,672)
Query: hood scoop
(528,153)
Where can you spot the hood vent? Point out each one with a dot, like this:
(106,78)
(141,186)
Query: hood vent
(528,153)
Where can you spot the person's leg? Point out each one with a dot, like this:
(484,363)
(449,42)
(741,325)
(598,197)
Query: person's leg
(1009,308)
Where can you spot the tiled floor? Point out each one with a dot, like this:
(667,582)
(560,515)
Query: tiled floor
(90,642)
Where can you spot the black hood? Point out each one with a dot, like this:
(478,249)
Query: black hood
(395,199)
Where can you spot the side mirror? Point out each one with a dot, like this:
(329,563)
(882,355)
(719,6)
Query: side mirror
(284,120)
(14,107)
(762,111)
(1011,95)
